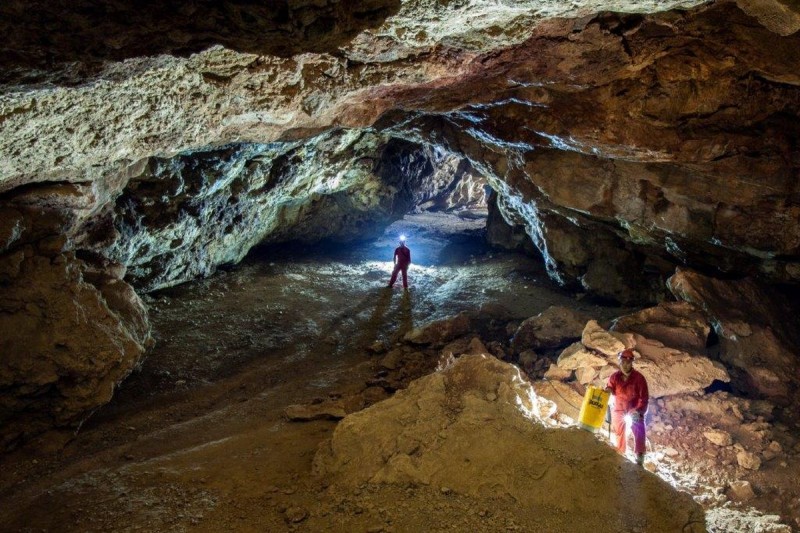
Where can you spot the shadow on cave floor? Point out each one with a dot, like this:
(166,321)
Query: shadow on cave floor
(297,303)
(304,313)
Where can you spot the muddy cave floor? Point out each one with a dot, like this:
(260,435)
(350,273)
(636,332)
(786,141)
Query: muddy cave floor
(198,440)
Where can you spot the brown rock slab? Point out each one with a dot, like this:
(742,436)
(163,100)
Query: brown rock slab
(552,328)
(676,324)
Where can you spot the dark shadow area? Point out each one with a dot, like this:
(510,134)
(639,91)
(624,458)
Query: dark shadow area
(718,385)
(42,36)
(463,247)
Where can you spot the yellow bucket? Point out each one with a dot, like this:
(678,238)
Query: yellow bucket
(593,410)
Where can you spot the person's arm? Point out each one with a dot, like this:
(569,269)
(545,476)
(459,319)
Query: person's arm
(395,256)
(409,256)
(610,384)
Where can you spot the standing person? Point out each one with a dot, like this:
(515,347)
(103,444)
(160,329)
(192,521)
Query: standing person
(629,388)
(402,258)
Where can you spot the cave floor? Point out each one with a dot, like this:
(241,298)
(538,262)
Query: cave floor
(197,439)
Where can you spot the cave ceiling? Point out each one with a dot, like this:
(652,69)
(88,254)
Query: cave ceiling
(143,144)
(673,123)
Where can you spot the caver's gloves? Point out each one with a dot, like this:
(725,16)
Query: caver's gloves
(636,416)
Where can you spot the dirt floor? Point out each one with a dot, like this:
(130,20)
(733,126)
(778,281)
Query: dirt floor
(198,440)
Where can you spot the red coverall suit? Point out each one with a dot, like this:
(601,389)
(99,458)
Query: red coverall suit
(630,395)
(402,258)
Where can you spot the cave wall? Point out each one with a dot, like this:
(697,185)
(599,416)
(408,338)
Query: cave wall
(70,328)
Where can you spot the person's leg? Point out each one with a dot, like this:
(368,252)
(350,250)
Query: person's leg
(639,434)
(405,277)
(618,425)
(394,275)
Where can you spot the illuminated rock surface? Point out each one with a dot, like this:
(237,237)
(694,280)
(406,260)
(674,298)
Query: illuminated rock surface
(465,429)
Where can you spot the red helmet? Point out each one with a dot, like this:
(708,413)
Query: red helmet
(626,354)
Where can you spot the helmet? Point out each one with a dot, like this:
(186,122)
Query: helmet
(626,354)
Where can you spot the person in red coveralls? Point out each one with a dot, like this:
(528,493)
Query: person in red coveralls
(402,258)
(629,388)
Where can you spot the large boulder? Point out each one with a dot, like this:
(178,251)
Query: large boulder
(440,331)
(756,339)
(554,327)
(672,371)
(676,324)
(68,336)
(473,429)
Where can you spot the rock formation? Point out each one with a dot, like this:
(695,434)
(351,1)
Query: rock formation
(488,440)
(149,145)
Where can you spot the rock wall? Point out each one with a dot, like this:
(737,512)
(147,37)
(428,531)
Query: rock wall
(70,328)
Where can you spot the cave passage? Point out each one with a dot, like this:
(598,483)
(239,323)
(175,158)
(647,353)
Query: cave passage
(295,309)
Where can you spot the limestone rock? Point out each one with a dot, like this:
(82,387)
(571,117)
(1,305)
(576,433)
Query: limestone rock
(679,325)
(669,371)
(441,331)
(720,438)
(556,373)
(741,491)
(754,336)
(565,399)
(730,519)
(598,339)
(576,356)
(66,344)
(748,460)
(552,328)
(478,439)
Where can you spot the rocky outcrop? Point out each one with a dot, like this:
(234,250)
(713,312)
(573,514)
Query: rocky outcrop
(473,429)
(757,336)
(69,333)
(180,218)
(88,33)
(676,324)
(668,371)
(434,180)
(506,234)
(552,328)
(70,328)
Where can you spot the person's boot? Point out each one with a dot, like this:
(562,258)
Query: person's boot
(640,459)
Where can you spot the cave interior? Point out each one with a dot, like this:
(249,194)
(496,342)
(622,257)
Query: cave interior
(199,203)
